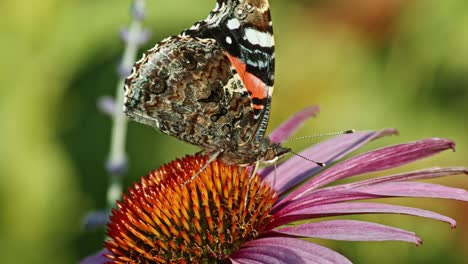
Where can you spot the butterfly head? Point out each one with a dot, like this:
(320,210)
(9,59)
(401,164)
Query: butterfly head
(273,152)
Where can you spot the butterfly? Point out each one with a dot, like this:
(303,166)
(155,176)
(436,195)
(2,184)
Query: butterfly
(212,84)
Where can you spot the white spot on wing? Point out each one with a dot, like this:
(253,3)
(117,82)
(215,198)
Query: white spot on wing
(228,40)
(233,23)
(256,37)
(270,90)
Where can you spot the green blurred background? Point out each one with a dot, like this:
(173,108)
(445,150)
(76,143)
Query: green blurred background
(369,64)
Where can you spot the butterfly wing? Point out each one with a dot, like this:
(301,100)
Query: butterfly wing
(244,29)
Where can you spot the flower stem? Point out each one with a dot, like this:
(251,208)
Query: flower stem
(117,159)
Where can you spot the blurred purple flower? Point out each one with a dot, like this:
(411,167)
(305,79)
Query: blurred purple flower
(141,39)
(106,104)
(95,219)
(140,233)
(99,257)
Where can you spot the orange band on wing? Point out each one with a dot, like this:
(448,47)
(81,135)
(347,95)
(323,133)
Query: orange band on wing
(256,87)
(257,106)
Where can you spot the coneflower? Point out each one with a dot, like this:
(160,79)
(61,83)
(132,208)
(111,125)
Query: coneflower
(161,220)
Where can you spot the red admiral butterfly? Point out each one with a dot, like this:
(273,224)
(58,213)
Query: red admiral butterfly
(211,85)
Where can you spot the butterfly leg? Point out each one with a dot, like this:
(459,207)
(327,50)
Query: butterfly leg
(208,162)
(252,174)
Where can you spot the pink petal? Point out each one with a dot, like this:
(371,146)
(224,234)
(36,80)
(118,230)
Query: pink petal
(302,251)
(322,197)
(414,175)
(375,160)
(295,169)
(336,209)
(270,254)
(245,261)
(389,189)
(290,126)
(415,189)
(350,230)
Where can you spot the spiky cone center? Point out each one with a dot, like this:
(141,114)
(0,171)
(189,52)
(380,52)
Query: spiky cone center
(163,220)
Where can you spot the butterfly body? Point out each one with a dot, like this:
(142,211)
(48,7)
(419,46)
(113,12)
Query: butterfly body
(211,85)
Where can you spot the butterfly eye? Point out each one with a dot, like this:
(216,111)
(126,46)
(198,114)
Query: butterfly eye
(189,62)
(240,13)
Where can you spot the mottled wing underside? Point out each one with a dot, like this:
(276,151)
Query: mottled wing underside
(211,86)
(184,87)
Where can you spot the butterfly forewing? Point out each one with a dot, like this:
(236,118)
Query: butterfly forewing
(211,86)
(245,31)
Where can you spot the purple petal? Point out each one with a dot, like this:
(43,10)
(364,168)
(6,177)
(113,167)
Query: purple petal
(97,258)
(287,128)
(286,248)
(295,170)
(336,209)
(350,230)
(383,190)
(322,197)
(415,189)
(246,261)
(408,176)
(376,160)
(270,254)
(243,261)
(350,191)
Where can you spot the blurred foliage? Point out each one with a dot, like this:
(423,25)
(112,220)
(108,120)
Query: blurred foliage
(368,64)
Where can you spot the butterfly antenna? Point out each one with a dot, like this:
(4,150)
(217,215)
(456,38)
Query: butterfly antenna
(351,131)
(321,164)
